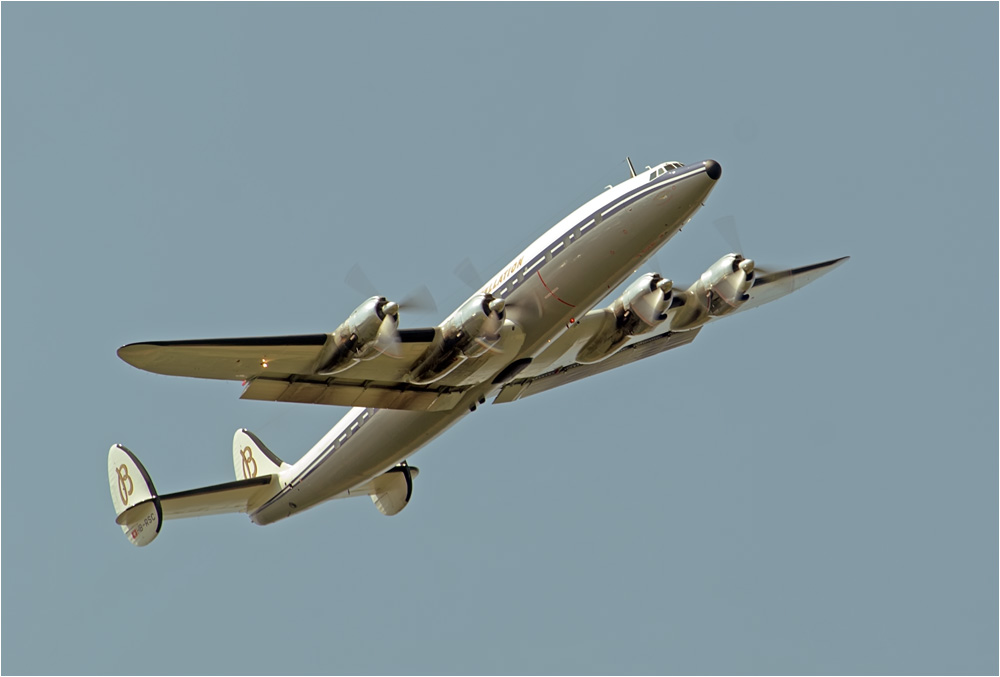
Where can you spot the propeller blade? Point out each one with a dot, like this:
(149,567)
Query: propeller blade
(727,229)
(467,273)
(357,280)
(419,300)
(387,340)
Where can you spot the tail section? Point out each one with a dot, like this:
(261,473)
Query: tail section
(137,507)
(251,458)
(140,511)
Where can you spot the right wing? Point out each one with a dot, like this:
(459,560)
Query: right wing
(770,286)
(557,365)
(558,376)
(283,369)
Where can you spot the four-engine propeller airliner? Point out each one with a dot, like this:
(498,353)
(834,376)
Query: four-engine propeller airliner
(532,327)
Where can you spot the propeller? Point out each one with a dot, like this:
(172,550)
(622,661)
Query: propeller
(420,300)
(467,273)
(496,308)
(727,229)
(387,340)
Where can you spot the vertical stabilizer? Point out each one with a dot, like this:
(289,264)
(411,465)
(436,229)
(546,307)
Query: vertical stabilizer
(251,458)
(137,506)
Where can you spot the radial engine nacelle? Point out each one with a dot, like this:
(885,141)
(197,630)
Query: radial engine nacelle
(468,332)
(370,330)
(719,291)
(641,308)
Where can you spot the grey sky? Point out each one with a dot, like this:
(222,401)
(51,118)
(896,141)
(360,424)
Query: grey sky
(808,488)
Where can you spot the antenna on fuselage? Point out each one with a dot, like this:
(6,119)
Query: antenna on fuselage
(631,169)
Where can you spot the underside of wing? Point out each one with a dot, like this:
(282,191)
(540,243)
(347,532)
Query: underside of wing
(284,369)
(354,393)
(571,356)
(634,352)
(233,359)
(770,286)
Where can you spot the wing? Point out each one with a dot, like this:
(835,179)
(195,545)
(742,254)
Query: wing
(575,371)
(556,365)
(283,369)
(770,286)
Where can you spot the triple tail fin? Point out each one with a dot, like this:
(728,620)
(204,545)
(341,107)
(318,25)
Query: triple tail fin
(140,511)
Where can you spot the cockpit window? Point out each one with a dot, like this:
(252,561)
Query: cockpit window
(664,168)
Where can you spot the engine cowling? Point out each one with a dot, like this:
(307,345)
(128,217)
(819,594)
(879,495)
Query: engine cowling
(720,290)
(641,308)
(468,332)
(644,303)
(368,331)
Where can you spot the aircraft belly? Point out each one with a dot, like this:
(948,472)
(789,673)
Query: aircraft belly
(388,438)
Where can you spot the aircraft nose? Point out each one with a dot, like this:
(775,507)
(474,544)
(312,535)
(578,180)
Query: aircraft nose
(713,169)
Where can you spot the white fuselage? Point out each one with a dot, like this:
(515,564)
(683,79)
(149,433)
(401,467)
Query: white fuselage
(556,280)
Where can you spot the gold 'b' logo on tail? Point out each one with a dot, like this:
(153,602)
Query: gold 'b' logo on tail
(125,485)
(249,463)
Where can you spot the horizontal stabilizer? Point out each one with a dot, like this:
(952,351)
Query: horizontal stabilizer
(238,496)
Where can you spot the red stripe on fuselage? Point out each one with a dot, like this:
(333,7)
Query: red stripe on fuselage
(552,293)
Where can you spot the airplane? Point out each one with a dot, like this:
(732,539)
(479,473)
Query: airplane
(533,326)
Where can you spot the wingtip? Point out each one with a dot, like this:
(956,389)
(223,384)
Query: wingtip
(128,353)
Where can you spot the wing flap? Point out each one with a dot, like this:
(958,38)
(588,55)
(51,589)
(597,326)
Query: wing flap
(364,394)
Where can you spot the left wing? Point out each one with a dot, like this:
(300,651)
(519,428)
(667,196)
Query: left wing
(284,369)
